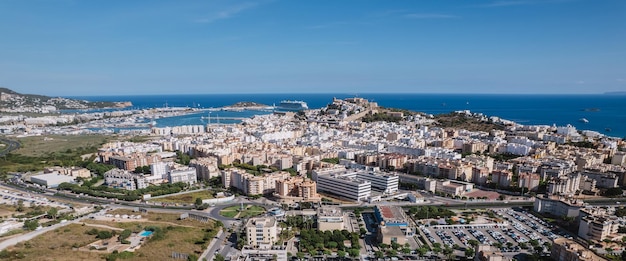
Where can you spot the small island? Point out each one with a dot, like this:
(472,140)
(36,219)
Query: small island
(247,104)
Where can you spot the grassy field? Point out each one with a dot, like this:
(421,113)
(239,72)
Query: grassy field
(249,211)
(56,245)
(183,236)
(186,198)
(7,210)
(35,153)
(42,145)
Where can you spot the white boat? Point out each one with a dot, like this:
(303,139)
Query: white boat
(583,120)
(293,106)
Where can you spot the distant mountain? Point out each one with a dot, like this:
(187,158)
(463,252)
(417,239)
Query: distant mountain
(12,101)
(615,93)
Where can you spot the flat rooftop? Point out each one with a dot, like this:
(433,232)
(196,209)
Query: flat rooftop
(329,212)
(391,213)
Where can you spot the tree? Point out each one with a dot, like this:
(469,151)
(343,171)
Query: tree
(53,213)
(537,251)
(20,206)
(125,234)
(300,255)
(341,253)
(448,252)
(613,192)
(103,234)
(469,252)
(31,224)
(353,252)
(198,202)
(380,254)
(218,257)
(422,251)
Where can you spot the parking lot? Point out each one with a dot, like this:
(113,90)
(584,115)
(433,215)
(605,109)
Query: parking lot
(515,231)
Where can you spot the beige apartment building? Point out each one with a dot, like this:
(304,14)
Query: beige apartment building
(261,232)
(564,249)
(330,218)
(297,189)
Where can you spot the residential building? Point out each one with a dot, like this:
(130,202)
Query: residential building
(123,179)
(250,184)
(529,181)
(502,178)
(206,167)
(185,175)
(489,253)
(564,249)
(558,207)
(330,218)
(132,161)
(297,189)
(598,228)
(261,232)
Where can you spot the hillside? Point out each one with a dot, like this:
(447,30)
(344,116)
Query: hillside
(12,101)
(456,120)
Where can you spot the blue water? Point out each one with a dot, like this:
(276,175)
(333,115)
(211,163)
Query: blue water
(145,233)
(609,110)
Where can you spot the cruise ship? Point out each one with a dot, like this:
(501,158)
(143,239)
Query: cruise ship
(291,106)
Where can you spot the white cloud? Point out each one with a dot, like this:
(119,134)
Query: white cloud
(227,13)
(504,3)
(507,3)
(429,16)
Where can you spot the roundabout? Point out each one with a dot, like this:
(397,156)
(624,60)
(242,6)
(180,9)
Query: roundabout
(242,211)
(250,207)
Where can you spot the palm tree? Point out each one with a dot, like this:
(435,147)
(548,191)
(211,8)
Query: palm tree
(449,253)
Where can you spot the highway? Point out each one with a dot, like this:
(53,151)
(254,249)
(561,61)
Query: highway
(11,145)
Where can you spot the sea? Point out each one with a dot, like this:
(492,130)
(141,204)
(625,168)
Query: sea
(603,113)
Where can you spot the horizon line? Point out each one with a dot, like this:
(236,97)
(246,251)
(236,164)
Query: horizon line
(340,93)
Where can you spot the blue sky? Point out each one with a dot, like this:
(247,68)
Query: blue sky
(67,47)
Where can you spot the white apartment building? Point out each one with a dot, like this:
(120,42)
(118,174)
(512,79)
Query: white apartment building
(564,185)
(187,175)
(261,232)
(123,179)
(160,169)
(619,158)
(598,227)
(557,207)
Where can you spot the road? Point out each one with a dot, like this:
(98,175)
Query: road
(11,145)
(215,244)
